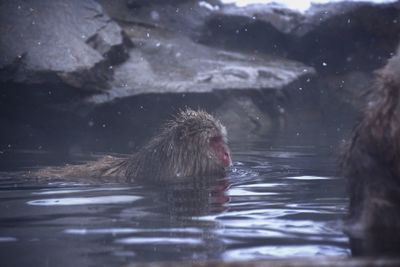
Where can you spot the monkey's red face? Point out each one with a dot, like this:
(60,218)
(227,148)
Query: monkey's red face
(221,151)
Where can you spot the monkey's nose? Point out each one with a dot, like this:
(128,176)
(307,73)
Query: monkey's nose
(227,159)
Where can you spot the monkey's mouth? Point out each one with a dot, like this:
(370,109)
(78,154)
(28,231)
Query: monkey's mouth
(221,151)
(226,160)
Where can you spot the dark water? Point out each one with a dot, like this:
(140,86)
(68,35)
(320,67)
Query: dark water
(282,198)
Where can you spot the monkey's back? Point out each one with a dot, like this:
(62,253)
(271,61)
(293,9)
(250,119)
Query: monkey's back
(372,160)
(106,168)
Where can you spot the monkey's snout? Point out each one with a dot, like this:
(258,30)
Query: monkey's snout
(227,160)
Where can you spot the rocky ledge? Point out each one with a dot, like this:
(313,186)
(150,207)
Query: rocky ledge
(75,73)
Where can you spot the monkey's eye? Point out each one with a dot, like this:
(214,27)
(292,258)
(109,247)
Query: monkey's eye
(215,139)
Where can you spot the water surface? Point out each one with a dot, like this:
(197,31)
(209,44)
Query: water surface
(282,198)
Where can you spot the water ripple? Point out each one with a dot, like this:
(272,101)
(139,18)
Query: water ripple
(83,201)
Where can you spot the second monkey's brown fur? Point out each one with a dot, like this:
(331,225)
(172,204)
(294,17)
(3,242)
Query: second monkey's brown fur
(194,143)
(372,161)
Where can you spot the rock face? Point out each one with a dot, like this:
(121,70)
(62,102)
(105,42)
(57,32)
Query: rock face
(58,41)
(179,66)
(168,58)
(345,36)
(95,69)
(136,47)
(79,45)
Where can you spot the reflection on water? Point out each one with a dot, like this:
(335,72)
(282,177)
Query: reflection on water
(83,201)
(277,201)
